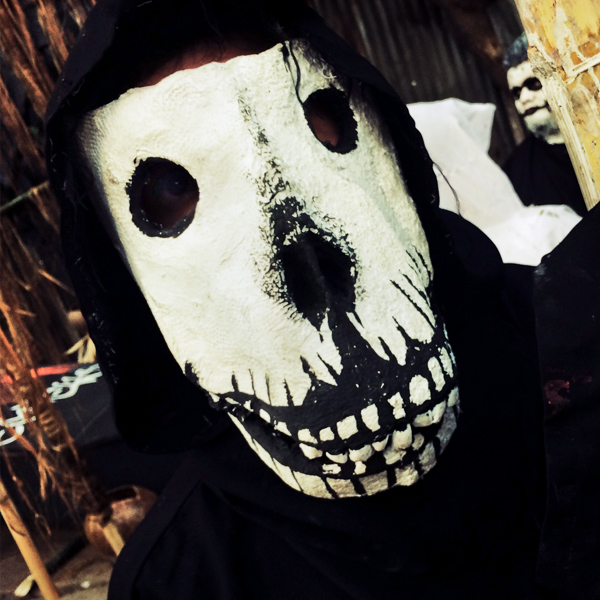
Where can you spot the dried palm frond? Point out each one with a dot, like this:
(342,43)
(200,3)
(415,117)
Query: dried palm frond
(78,10)
(17,44)
(19,134)
(34,324)
(24,287)
(84,349)
(43,199)
(57,458)
(57,37)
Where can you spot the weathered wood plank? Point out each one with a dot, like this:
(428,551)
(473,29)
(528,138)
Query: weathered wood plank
(564,49)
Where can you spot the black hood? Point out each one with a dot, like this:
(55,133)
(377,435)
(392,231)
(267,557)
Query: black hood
(157,408)
(465,530)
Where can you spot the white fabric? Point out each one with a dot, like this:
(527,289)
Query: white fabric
(457,136)
(530,233)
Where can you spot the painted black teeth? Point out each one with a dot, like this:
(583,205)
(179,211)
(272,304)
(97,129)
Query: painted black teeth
(341,458)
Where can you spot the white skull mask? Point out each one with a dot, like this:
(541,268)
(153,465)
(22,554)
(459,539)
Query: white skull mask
(290,278)
(531,102)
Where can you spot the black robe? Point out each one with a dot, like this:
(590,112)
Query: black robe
(227,527)
(567,306)
(542,173)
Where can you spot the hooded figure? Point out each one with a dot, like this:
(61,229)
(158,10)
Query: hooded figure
(539,168)
(250,219)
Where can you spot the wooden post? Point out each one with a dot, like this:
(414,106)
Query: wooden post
(114,537)
(26,546)
(564,50)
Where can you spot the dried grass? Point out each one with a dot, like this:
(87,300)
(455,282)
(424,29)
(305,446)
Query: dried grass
(57,37)
(57,457)
(19,134)
(17,44)
(34,326)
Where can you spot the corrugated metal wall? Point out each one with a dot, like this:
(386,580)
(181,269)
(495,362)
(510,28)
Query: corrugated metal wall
(415,45)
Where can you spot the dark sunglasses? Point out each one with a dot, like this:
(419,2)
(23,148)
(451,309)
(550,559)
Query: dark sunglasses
(533,84)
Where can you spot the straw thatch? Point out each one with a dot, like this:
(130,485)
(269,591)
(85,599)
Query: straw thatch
(35,295)
(33,45)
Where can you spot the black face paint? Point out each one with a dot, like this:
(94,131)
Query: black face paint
(317,274)
(380,382)
(533,84)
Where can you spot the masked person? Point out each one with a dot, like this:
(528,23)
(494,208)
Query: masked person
(540,168)
(250,219)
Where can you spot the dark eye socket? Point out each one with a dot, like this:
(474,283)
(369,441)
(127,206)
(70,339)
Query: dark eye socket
(533,84)
(163,196)
(331,119)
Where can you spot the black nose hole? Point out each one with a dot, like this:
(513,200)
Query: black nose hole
(331,119)
(318,275)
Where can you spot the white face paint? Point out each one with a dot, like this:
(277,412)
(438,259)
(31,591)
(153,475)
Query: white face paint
(531,103)
(296,291)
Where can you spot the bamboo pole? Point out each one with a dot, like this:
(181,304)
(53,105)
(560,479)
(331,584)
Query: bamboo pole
(26,546)
(564,50)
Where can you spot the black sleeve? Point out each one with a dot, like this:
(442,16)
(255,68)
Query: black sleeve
(567,303)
